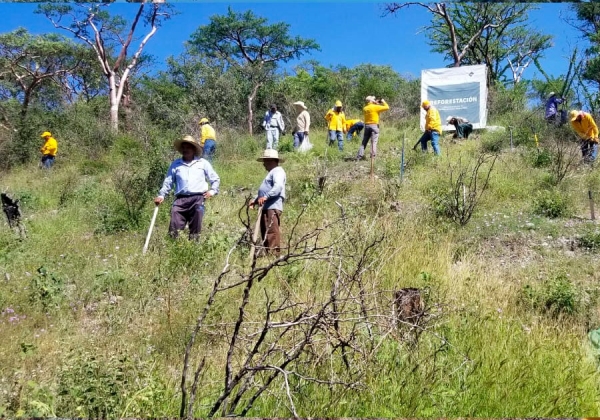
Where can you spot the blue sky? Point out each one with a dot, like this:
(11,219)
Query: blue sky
(349,33)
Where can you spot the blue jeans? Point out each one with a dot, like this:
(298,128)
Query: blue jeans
(589,151)
(47,161)
(340,138)
(209,149)
(356,128)
(434,136)
(272,137)
(298,139)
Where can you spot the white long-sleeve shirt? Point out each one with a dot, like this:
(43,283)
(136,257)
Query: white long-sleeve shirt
(190,178)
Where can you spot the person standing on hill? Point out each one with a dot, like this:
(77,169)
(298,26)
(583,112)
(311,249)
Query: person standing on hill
(552,108)
(188,175)
(274,125)
(336,124)
(353,128)
(433,128)
(584,125)
(207,140)
(371,118)
(302,123)
(48,150)
(271,195)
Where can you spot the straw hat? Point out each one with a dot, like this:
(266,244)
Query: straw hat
(300,104)
(370,98)
(270,154)
(188,139)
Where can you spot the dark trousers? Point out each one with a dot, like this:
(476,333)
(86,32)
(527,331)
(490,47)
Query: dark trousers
(47,161)
(187,210)
(269,229)
(463,130)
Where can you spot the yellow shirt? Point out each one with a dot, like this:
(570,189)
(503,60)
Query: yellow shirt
(50,147)
(586,128)
(207,133)
(371,112)
(433,121)
(337,120)
(350,123)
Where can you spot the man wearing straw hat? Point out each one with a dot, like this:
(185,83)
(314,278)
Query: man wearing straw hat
(271,195)
(188,175)
(302,123)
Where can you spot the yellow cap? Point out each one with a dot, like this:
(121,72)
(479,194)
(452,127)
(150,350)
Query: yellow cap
(46,134)
(573,115)
(338,103)
(425,103)
(204,121)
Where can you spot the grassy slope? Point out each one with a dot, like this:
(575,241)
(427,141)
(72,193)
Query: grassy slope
(504,357)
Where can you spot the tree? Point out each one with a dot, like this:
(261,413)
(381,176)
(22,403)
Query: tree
(588,23)
(250,46)
(92,24)
(487,33)
(30,62)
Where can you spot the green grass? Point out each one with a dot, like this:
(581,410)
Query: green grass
(102,319)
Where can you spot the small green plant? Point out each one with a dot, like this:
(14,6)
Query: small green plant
(552,204)
(47,288)
(590,240)
(493,144)
(557,295)
(541,158)
(286,145)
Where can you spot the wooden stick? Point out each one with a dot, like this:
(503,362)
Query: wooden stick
(255,233)
(145,249)
(592,213)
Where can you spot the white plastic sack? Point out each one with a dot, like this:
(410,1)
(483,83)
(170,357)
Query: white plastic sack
(306,145)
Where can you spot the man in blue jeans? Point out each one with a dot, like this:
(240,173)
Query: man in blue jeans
(433,128)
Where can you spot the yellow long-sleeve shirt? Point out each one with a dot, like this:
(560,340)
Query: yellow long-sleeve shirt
(433,121)
(586,128)
(50,147)
(371,112)
(336,120)
(350,123)
(207,133)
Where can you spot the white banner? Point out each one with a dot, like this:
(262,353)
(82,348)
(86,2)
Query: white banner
(457,92)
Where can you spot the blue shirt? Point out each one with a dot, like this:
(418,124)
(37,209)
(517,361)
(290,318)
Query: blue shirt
(552,106)
(273,187)
(190,178)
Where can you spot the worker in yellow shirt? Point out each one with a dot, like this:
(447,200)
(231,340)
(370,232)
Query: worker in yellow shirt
(353,128)
(207,140)
(584,125)
(371,113)
(336,124)
(433,128)
(48,150)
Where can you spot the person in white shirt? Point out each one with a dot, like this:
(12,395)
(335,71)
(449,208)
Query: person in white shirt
(274,125)
(190,176)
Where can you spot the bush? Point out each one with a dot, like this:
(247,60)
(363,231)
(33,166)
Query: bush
(494,143)
(590,240)
(540,158)
(47,289)
(552,204)
(554,296)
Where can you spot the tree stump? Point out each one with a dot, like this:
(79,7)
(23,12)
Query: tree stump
(409,308)
(12,211)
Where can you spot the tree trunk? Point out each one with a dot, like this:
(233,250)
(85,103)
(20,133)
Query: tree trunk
(250,113)
(114,103)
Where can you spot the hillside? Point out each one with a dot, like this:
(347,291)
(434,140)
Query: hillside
(91,327)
